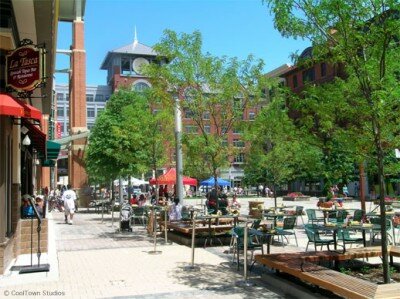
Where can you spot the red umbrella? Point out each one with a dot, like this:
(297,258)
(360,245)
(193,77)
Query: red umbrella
(169,178)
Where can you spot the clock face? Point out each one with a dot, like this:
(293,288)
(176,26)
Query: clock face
(138,63)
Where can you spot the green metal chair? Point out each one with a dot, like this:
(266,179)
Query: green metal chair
(343,235)
(312,216)
(139,213)
(238,235)
(376,228)
(287,230)
(358,215)
(315,238)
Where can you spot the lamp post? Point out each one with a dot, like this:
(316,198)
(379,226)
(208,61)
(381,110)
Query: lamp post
(178,148)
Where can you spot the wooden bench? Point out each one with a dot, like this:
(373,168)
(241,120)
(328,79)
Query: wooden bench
(336,282)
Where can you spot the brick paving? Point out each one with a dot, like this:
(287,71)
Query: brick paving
(92,260)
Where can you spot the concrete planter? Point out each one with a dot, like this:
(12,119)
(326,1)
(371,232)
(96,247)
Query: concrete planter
(297,198)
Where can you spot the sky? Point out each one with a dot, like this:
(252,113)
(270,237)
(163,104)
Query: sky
(235,28)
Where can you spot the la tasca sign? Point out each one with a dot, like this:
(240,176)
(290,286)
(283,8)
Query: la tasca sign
(24,68)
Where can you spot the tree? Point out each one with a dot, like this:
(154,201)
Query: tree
(126,138)
(280,152)
(364,37)
(214,92)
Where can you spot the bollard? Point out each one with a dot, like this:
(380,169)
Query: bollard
(192,267)
(112,215)
(245,282)
(102,212)
(155,251)
(165,228)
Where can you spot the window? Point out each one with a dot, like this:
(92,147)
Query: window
(295,83)
(140,86)
(252,115)
(191,129)
(189,113)
(309,75)
(323,69)
(67,97)
(90,125)
(60,97)
(236,131)
(89,98)
(60,111)
(67,111)
(156,111)
(90,112)
(224,130)
(190,94)
(99,98)
(238,143)
(239,158)
(125,66)
(206,115)
(207,129)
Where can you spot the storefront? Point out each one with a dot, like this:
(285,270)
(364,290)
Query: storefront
(23,110)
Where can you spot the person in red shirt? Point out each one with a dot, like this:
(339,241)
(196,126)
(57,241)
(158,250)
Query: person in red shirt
(133,200)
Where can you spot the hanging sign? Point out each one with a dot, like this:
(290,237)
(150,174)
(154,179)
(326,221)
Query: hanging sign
(24,68)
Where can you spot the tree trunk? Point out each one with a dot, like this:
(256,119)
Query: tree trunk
(362,186)
(380,156)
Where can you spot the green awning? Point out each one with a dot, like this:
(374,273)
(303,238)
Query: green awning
(52,150)
(48,163)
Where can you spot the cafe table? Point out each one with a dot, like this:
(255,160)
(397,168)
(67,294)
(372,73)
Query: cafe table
(217,217)
(363,227)
(274,216)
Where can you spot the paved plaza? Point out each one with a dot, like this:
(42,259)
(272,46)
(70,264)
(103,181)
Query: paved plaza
(91,259)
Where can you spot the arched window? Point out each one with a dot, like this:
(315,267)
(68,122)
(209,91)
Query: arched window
(140,86)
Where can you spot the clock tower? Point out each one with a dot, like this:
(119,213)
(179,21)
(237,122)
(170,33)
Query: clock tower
(124,65)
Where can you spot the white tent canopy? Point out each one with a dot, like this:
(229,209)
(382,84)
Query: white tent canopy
(134,182)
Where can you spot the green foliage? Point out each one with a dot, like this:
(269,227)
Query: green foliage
(126,139)
(345,270)
(280,152)
(213,92)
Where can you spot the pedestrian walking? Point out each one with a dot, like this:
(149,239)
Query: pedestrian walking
(69,198)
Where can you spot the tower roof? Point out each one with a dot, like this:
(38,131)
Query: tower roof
(134,48)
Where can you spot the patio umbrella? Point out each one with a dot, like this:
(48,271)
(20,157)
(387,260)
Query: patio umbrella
(169,178)
(211,182)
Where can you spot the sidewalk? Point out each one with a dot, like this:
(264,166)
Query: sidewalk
(89,259)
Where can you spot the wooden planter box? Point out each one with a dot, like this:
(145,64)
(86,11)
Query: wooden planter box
(297,198)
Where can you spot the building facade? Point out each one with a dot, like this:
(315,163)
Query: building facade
(96,99)
(26,153)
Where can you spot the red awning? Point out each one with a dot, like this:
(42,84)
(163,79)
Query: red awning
(9,106)
(169,178)
(30,111)
(38,138)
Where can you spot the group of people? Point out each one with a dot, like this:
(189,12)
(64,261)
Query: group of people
(218,200)
(27,210)
(68,198)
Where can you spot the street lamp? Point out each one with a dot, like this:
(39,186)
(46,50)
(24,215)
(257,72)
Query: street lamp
(178,141)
